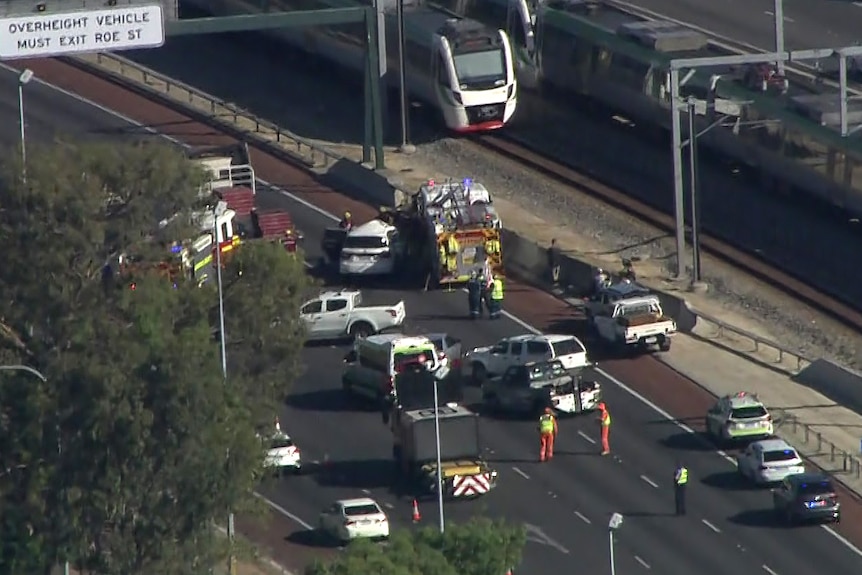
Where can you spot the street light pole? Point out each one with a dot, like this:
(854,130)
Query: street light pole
(220,209)
(23,79)
(692,156)
(439,465)
(614,524)
(779,32)
(37,373)
(406,146)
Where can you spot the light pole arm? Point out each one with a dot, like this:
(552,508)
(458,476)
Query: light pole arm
(26,368)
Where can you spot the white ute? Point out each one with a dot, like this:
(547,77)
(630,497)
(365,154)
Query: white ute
(340,314)
(484,362)
(628,315)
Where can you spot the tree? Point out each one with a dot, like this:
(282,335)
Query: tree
(480,547)
(136,445)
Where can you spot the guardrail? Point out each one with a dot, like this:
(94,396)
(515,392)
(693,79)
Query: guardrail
(849,463)
(309,152)
(760,343)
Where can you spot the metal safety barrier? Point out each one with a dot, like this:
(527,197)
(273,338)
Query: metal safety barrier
(819,447)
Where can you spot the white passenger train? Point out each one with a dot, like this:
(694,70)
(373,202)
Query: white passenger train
(459,66)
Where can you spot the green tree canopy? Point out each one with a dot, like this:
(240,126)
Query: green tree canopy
(136,444)
(479,547)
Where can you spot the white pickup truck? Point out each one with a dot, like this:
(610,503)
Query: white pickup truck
(483,362)
(628,315)
(340,314)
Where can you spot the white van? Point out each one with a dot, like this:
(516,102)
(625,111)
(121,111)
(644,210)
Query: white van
(375,361)
(374,248)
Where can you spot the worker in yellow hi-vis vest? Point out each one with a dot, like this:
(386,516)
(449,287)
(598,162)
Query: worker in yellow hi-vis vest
(496,304)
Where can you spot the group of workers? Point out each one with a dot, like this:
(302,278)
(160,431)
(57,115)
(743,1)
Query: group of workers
(484,291)
(548,434)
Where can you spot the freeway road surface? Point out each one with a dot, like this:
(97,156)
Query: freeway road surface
(807,23)
(566,503)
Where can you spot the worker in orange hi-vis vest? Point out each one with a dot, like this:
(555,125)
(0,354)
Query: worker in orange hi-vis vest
(605,423)
(547,434)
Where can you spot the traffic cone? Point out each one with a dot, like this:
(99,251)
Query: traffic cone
(417,517)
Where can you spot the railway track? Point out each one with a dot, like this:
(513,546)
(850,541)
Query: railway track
(745,260)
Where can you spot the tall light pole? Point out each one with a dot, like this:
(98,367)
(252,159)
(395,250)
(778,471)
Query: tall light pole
(614,524)
(220,209)
(32,371)
(779,32)
(439,465)
(23,79)
(406,146)
(692,157)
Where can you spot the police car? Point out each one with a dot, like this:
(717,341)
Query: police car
(282,455)
(739,417)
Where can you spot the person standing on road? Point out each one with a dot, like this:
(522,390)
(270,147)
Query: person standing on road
(605,424)
(496,304)
(474,296)
(547,434)
(680,480)
(554,262)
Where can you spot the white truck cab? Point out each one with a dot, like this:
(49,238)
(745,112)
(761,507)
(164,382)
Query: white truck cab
(627,314)
(340,314)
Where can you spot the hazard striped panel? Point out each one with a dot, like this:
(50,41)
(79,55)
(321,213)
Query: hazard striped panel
(467,485)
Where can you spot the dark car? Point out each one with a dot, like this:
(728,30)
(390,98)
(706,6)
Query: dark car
(807,497)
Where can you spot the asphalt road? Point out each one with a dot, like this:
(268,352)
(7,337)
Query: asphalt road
(807,23)
(567,502)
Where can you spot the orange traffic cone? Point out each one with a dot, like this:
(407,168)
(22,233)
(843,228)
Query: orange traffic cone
(417,517)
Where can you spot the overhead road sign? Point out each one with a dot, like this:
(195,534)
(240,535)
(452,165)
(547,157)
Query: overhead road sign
(73,32)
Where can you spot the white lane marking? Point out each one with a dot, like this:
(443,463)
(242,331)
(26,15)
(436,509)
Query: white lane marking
(508,315)
(650,481)
(388,505)
(283,511)
(583,517)
(768,570)
(710,525)
(642,562)
(537,535)
(521,473)
(366,492)
(587,437)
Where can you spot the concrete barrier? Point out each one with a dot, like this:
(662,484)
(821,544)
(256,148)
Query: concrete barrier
(523,258)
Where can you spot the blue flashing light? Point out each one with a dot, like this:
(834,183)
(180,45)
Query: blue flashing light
(468,182)
(176,249)
(788,452)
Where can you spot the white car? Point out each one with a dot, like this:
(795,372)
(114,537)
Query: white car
(484,362)
(350,519)
(769,461)
(282,454)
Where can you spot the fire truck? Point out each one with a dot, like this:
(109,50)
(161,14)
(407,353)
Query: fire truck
(449,229)
(227,217)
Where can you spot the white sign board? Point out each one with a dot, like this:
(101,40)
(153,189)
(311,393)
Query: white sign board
(54,34)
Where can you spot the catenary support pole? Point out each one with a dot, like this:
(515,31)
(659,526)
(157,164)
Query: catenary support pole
(678,191)
(402,81)
(692,155)
(779,32)
(376,111)
(439,463)
(842,81)
(380,30)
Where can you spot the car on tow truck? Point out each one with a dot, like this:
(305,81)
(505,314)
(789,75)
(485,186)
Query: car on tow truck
(626,315)
(528,389)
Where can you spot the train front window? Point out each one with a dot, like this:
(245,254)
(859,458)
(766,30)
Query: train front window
(480,70)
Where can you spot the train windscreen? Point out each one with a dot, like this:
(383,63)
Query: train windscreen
(481,69)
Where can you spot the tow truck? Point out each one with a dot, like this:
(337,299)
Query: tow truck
(528,389)
(464,472)
(446,231)
(628,315)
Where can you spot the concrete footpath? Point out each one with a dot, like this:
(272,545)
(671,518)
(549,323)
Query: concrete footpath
(718,360)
